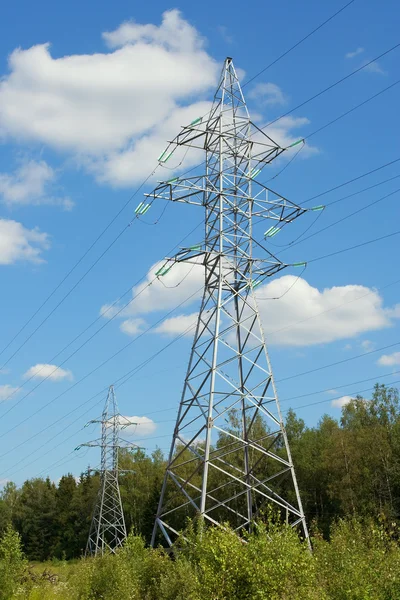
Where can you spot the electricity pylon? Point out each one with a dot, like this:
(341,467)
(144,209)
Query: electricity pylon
(107,530)
(229,456)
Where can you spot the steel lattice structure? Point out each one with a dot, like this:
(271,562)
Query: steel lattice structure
(230,455)
(107,530)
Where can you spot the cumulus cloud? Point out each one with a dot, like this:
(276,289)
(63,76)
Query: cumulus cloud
(30,183)
(389,360)
(340,402)
(179,324)
(132,326)
(18,243)
(268,94)
(99,105)
(46,371)
(112,111)
(122,167)
(6,391)
(308,316)
(304,317)
(375,67)
(163,293)
(355,53)
(137,426)
(367,345)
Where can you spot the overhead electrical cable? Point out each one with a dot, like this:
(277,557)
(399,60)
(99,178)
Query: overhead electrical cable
(105,324)
(338,362)
(386,89)
(337,187)
(132,372)
(331,86)
(298,43)
(78,262)
(339,397)
(361,245)
(341,220)
(118,382)
(95,369)
(338,387)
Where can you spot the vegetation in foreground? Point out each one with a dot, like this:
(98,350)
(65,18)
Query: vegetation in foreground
(344,467)
(360,562)
(349,475)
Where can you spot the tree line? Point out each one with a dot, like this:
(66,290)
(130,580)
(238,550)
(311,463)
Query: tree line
(345,467)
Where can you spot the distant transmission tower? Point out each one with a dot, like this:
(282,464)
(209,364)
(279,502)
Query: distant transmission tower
(230,456)
(107,530)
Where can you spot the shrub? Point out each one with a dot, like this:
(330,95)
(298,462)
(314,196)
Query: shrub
(12,563)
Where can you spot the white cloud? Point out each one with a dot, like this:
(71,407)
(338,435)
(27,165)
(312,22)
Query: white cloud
(375,67)
(18,243)
(367,345)
(112,111)
(389,360)
(30,183)
(179,324)
(282,133)
(359,309)
(340,402)
(268,94)
(304,317)
(52,372)
(96,106)
(6,391)
(132,326)
(123,167)
(182,281)
(355,53)
(137,426)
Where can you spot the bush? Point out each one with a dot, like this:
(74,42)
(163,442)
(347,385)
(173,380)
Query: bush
(12,563)
(360,562)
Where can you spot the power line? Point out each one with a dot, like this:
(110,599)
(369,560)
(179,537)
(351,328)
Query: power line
(86,329)
(389,87)
(123,379)
(282,400)
(361,191)
(298,43)
(338,397)
(70,355)
(320,93)
(136,369)
(338,387)
(341,220)
(383,237)
(338,362)
(78,263)
(337,187)
(155,324)
(98,366)
(132,372)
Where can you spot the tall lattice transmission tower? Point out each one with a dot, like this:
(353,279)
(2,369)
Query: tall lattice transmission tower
(107,529)
(229,456)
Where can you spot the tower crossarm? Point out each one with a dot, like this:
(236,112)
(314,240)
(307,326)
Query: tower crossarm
(202,190)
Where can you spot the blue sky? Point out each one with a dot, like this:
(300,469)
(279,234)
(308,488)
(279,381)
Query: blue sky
(86,104)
